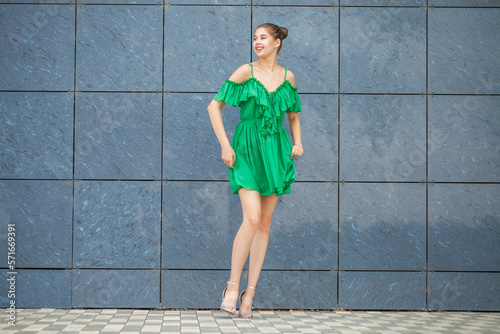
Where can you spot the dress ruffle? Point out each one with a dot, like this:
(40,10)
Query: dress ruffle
(272,105)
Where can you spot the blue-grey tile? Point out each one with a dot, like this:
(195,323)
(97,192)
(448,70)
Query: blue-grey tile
(464,46)
(178,290)
(116,288)
(118,136)
(303,232)
(382,226)
(319,133)
(41,213)
(296,2)
(464,291)
(464,141)
(464,227)
(275,290)
(382,290)
(296,290)
(200,220)
(120,2)
(382,50)
(207,2)
(117,224)
(311,49)
(191,150)
(382,138)
(35,1)
(119,47)
(38,47)
(204,45)
(36,288)
(465,3)
(383,2)
(36,136)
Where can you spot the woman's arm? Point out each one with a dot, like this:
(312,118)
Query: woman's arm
(294,122)
(214,112)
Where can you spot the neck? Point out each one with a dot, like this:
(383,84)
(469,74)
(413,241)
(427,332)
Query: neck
(268,64)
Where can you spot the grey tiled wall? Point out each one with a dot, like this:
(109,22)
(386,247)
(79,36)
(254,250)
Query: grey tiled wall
(111,173)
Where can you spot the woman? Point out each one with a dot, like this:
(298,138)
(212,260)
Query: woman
(260,158)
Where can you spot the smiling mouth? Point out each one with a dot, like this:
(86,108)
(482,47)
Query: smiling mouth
(258,48)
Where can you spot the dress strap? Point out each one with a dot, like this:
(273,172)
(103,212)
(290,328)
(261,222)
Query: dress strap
(285,73)
(251,68)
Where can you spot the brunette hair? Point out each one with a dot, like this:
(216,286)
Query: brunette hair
(275,31)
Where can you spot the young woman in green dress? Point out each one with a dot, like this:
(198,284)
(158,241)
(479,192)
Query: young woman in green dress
(260,158)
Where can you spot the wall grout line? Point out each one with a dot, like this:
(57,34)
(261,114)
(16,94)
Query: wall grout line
(326,270)
(74,154)
(251,30)
(298,181)
(161,150)
(426,154)
(212,93)
(244,5)
(338,157)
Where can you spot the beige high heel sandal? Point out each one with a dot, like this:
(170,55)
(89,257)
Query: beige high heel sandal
(244,313)
(229,308)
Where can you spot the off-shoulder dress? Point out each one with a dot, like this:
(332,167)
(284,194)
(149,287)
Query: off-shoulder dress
(260,141)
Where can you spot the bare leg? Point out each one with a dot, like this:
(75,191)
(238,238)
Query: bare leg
(251,206)
(258,248)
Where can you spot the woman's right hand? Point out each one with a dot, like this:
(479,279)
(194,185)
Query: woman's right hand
(228,156)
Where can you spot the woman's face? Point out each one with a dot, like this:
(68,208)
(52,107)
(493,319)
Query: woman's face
(264,43)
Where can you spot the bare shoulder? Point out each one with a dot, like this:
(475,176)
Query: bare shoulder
(241,74)
(290,77)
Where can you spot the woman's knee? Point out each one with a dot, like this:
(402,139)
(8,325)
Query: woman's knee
(265,225)
(253,221)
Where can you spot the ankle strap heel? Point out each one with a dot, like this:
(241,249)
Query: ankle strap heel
(244,313)
(229,308)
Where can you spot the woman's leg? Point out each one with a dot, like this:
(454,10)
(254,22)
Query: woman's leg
(251,207)
(258,248)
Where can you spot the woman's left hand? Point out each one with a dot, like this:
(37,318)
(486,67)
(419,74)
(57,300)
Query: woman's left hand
(296,150)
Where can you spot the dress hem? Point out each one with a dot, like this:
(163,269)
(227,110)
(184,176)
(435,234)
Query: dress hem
(287,192)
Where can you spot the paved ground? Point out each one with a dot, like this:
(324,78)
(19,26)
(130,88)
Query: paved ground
(87,321)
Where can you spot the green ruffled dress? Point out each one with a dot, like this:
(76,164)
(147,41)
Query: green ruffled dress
(260,141)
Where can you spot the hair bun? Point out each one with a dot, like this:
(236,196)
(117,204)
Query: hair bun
(284,33)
